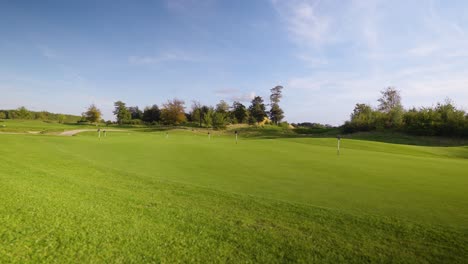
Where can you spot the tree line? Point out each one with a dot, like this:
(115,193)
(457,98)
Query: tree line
(24,113)
(173,112)
(443,119)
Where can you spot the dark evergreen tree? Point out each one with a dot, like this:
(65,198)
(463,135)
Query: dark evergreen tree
(152,114)
(239,112)
(257,109)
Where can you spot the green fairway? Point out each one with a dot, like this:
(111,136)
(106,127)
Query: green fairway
(135,197)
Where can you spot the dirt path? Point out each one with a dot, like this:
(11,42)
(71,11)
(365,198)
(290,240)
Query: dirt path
(77,131)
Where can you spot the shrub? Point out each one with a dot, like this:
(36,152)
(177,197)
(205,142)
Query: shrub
(284,125)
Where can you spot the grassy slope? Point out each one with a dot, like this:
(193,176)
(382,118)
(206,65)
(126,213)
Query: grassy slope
(24,126)
(139,197)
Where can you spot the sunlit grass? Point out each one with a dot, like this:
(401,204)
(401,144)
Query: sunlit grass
(141,197)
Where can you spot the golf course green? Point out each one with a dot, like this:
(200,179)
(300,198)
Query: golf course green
(140,196)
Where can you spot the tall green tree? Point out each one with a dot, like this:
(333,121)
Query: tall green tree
(219,120)
(198,112)
(152,114)
(239,112)
(222,107)
(363,117)
(276,113)
(215,119)
(135,112)
(23,113)
(208,117)
(222,115)
(121,112)
(390,105)
(257,109)
(92,114)
(362,113)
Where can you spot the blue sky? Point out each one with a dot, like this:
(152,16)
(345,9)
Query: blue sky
(62,56)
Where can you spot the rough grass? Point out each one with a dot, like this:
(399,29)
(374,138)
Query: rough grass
(138,197)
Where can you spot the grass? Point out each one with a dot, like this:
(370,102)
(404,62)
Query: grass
(38,126)
(401,138)
(137,197)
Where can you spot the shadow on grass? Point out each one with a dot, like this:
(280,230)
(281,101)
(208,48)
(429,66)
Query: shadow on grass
(164,128)
(405,139)
(276,132)
(272,132)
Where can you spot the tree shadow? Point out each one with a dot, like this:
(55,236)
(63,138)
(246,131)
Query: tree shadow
(405,139)
(375,136)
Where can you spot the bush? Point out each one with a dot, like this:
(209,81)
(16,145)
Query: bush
(284,125)
(132,122)
(219,120)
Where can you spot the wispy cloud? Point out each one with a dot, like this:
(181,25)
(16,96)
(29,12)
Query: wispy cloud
(164,57)
(226,91)
(305,24)
(336,93)
(423,50)
(319,27)
(311,60)
(48,52)
(231,94)
(358,48)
